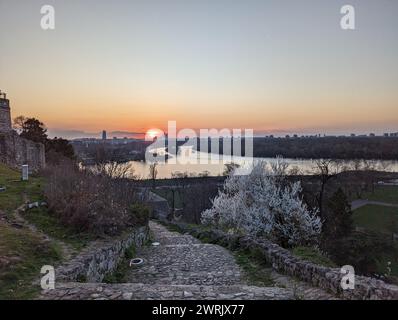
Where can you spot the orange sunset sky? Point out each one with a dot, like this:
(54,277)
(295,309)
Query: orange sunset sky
(272,66)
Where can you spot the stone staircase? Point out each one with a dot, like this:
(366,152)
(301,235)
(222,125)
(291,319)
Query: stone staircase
(181,267)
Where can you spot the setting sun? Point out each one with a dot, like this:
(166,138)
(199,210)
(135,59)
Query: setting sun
(153,133)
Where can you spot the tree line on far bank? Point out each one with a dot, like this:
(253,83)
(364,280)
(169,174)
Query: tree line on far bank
(344,148)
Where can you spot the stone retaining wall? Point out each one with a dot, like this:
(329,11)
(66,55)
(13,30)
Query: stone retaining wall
(100,258)
(283,261)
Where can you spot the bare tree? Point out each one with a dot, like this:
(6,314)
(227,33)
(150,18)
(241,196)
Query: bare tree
(384,165)
(295,171)
(356,164)
(18,123)
(105,164)
(325,169)
(153,172)
(179,175)
(279,167)
(91,202)
(114,169)
(368,165)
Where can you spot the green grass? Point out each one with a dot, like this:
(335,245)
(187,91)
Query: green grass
(22,254)
(50,225)
(119,275)
(388,266)
(16,189)
(255,270)
(377,218)
(32,189)
(313,255)
(387,194)
(381,219)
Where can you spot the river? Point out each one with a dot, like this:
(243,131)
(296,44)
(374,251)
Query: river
(199,163)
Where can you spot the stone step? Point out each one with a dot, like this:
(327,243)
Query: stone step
(177,239)
(184,264)
(179,277)
(140,291)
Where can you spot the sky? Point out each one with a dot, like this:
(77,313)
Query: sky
(275,66)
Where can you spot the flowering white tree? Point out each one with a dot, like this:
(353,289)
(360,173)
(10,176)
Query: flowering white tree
(264,204)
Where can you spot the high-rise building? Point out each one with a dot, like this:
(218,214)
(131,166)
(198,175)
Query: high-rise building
(104,135)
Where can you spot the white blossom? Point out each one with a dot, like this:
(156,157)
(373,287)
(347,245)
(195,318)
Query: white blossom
(265,205)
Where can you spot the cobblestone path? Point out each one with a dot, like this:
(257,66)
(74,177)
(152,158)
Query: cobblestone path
(184,260)
(181,267)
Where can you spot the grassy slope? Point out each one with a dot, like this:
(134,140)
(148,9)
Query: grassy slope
(40,217)
(377,218)
(49,224)
(22,252)
(387,194)
(313,255)
(384,220)
(13,196)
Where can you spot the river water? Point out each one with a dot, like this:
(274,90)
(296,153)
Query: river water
(198,163)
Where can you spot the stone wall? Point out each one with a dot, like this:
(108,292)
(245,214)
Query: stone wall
(283,261)
(16,151)
(5,115)
(100,258)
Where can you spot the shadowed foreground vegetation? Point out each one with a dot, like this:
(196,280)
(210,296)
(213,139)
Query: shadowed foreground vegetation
(46,236)
(22,254)
(388,194)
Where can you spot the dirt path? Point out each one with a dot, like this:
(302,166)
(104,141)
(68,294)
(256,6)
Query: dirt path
(18,220)
(360,203)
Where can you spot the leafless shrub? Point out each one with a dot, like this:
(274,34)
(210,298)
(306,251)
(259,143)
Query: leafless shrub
(179,175)
(85,201)
(279,167)
(114,169)
(295,171)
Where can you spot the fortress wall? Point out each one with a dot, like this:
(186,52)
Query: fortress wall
(16,151)
(5,115)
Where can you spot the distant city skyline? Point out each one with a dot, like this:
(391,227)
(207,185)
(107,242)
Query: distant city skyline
(276,66)
(141,135)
